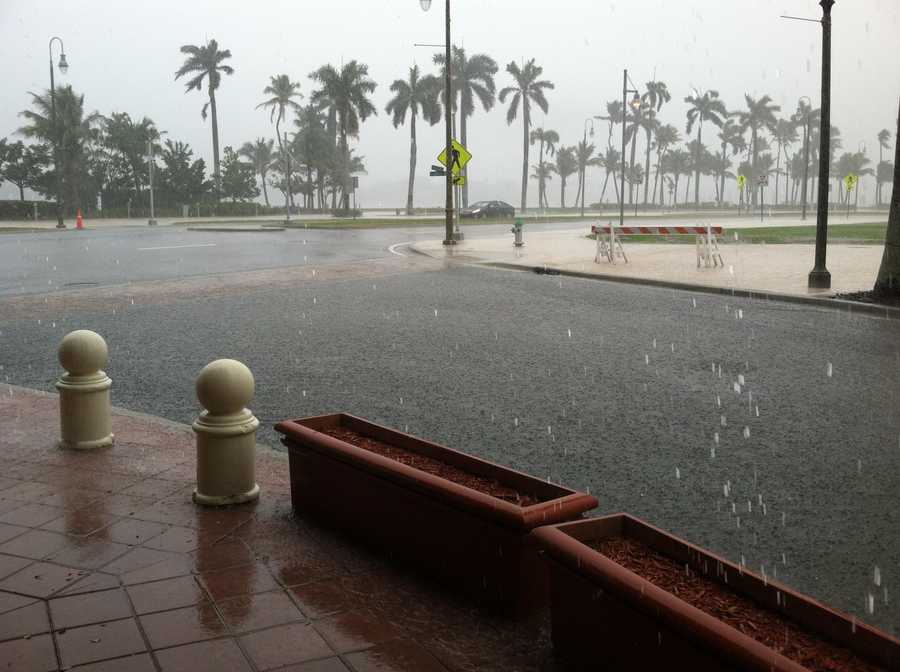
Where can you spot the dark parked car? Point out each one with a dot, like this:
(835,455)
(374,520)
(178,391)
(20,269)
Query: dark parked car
(483,209)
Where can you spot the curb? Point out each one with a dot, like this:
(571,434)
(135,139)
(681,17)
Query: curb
(237,229)
(886,312)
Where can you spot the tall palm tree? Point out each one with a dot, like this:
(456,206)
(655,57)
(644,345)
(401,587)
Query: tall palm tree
(705,107)
(799,117)
(346,92)
(584,152)
(613,116)
(676,163)
(656,96)
(887,284)
(207,62)
(410,96)
(550,139)
(471,78)
(666,136)
(760,114)
(884,140)
(610,162)
(314,146)
(259,153)
(282,93)
(784,135)
(731,135)
(528,89)
(564,166)
(127,139)
(543,173)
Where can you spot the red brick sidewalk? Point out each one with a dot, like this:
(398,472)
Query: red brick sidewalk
(106,565)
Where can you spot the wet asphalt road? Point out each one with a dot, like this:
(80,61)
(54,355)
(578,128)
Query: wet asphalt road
(648,397)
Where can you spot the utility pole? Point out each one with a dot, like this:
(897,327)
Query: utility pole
(152,221)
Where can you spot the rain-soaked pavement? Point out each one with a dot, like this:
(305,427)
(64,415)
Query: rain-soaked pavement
(765,431)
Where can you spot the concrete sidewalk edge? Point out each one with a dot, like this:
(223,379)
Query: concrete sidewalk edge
(887,312)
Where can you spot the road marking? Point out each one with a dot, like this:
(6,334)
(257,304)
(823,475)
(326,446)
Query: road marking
(392,249)
(177,247)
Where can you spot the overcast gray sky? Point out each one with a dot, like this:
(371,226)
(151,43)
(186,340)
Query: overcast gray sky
(123,56)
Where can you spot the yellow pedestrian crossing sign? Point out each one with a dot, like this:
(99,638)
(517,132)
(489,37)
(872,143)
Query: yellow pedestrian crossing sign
(460,155)
(850,181)
(741,181)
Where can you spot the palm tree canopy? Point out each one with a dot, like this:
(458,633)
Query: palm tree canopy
(345,91)
(657,95)
(732,135)
(884,138)
(72,124)
(785,132)
(471,78)
(705,107)
(416,93)
(259,153)
(549,137)
(583,153)
(666,136)
(204,62)
(759,114)
(565,163)
(528,89)
(282,92)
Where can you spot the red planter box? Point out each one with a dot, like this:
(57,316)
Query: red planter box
(607,617)
(475,542)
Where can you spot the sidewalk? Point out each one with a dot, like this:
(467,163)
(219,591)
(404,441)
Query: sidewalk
(103,557)
(761,268)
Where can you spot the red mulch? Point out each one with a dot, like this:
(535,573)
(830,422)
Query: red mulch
(488,486)
(763,625)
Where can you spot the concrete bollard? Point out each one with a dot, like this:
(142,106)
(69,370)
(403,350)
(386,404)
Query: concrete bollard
(226,435)
(84,406)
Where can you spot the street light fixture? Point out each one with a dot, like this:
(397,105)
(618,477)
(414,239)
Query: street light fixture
(583,167)
(449,238)
(805,155)
(57,149)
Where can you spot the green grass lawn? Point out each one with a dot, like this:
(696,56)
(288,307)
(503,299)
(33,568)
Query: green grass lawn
(867,234)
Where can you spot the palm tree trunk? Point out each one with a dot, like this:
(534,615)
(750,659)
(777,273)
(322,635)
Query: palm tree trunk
(603,192)
(722,176)
(697,164)
(541,175)
(562,192)
(888,281)
(217,178)
(412,163)
(687,188)
(675,192)
(777,176)
(465,170)
(631,182)
(659,178)
(21,192)
(262,177)
(647,169)
(615,182)
(526,124)
(754,193)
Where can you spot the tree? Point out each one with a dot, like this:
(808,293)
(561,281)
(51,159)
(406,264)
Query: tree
(238,177)
(564,166)
(345,92)
(207,62)
(760,114)
(315,150)
(610,162)
(410,96)
(888,282)
(528,89)
(182,178)
(583,153)
(666,136)
(22,165)
(656,96)
(676,163)
(703,107)
(73,132)
(882,175)
(731,135)
(470,78)
(282,92)
(259,154)
(128,140)
(785,134)
(543,173)
(613,116)
(550,139)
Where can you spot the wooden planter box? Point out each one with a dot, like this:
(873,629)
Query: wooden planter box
(607,617)
(477,543)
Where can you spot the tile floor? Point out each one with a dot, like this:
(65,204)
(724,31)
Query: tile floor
(106,565)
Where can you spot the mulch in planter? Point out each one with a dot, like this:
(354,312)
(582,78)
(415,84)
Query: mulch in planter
(765,626)
(435,467)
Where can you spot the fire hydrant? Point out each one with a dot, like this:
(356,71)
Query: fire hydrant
(517,231)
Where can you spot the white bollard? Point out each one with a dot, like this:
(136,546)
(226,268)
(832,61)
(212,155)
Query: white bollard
(84,406)
(226,435)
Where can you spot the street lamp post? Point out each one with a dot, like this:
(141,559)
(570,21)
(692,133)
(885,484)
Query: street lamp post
(583,167)
(449,238)
(152,220)
(819,277)
(862,153)
(805,156)
(635,103)
(57,149)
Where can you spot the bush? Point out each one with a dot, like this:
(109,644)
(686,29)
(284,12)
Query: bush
(10,210)
(346,212)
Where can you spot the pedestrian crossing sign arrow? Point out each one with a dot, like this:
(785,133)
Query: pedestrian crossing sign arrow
(460,157)
(459,180)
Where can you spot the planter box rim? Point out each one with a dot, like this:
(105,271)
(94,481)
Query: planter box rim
(517,517)
(577,556)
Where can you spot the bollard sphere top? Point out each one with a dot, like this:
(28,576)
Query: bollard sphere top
(83,352)
(225,387)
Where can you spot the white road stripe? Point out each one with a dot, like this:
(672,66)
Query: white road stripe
(392,248)
(178,247)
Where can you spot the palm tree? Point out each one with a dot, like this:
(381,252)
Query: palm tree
(282,92)
(887,283)
(613,116)
(207,63)
(666,137)
(884,140)
(703,107)
(128,140)
(564,166)
(410,96)
(677,163)
(528,89)
(610,162)
(345,93)
(549,138)
(760,114)
(470,78)
(731,135)
(583,153)
(542,172)
(785,134)
(656,96)
(259,153)
(315,150)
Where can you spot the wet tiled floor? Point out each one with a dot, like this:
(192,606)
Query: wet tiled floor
(106,565)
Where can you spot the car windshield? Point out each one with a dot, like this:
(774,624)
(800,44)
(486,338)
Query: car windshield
(480,204)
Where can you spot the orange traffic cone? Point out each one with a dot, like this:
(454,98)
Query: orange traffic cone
(79,221)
